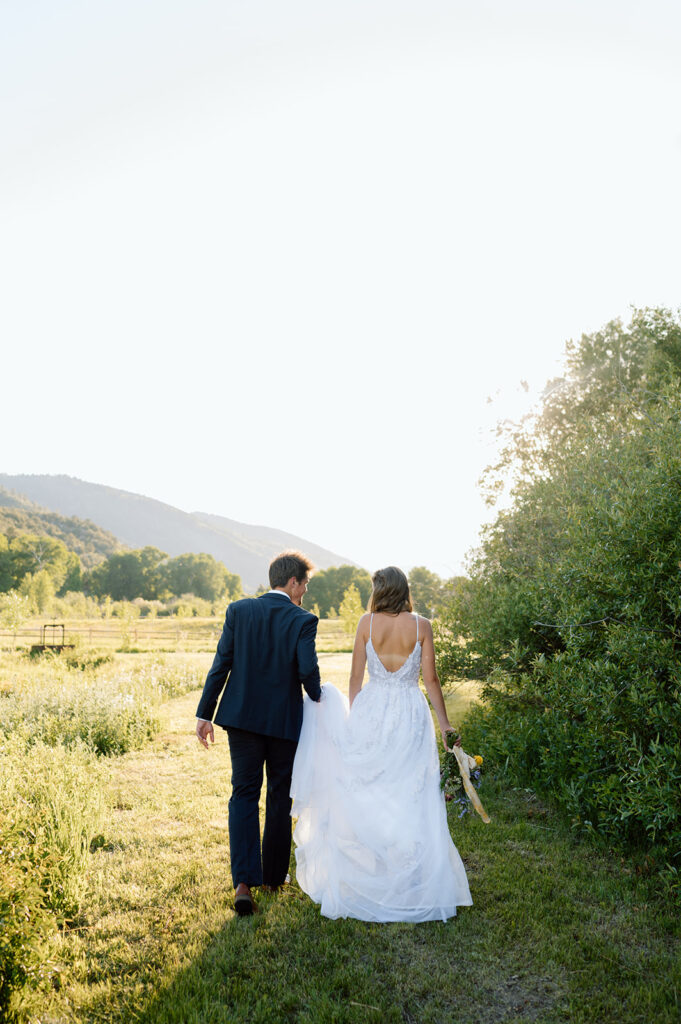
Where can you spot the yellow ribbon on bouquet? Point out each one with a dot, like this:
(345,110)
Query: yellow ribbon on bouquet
(466,762)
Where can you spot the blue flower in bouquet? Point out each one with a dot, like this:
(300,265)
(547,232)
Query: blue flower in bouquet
(451,780)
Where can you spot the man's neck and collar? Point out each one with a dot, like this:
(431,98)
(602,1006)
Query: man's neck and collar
(278,590)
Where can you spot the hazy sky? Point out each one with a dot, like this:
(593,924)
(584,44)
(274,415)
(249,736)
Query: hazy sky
(269,260)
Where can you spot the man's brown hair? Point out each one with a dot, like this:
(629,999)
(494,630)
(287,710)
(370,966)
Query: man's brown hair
(288,564)
(391,591)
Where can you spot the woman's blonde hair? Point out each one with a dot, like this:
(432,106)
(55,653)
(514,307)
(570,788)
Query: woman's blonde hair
(391,591)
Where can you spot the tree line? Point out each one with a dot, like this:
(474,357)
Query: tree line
(328,588)
(41,568)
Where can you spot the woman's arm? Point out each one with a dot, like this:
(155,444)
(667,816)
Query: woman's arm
(359,658)
(431,682)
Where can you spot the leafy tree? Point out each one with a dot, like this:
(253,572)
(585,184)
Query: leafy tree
(327,587)
(6,574)
(201,575)
(39,590)
(351,609)
(128,613)
(75,605)
(128,575)
(427,591)
(609,376)
(150,608)
(74,575)
(29,553)
(126,610)
(148,574)
(15,608)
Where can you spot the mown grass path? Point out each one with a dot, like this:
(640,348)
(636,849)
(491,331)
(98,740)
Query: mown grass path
(557,932)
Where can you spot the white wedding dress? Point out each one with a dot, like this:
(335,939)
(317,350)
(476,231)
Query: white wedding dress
(372,837)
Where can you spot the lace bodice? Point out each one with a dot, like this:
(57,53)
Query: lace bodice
(406,675)
(408,672)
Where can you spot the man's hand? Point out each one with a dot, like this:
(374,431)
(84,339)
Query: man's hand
(203,731)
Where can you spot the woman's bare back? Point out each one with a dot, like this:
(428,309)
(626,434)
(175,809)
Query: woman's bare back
(393,637)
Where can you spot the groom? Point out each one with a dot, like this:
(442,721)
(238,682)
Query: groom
(267,649)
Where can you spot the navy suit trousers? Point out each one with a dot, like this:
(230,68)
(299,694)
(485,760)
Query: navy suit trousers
(250,751)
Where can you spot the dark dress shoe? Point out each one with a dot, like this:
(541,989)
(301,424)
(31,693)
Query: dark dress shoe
(244,904)
(275,888)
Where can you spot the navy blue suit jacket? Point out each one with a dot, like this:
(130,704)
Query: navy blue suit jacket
(266,654)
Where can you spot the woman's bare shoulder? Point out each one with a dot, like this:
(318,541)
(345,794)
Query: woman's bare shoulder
(426,625)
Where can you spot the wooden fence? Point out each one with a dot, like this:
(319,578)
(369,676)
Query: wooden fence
(188,634)
(119,632)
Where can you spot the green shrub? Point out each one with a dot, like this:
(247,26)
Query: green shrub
(573,615)
(601,742)
(107,719)
(87,659)
(75,605)
(111,715)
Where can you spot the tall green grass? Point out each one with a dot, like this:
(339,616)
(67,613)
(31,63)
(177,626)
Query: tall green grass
(51,810)
(57,717)
(110,708)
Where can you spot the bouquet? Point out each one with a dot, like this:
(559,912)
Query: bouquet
(460,776)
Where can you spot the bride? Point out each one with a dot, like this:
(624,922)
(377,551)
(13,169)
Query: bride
(372,837)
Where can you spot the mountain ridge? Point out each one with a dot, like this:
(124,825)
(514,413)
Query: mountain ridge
(137,520)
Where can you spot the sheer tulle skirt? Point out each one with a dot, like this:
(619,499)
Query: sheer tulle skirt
(372,840)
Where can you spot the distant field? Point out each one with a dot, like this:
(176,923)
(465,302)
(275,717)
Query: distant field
(149,635)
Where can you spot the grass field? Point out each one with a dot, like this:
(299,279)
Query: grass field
(148,635)
(558,931)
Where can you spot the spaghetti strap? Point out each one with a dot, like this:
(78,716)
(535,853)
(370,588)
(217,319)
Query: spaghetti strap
(416,614)
(371,624)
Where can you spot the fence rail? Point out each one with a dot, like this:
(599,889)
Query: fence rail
(117,632)
(184,633)
(130,633)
